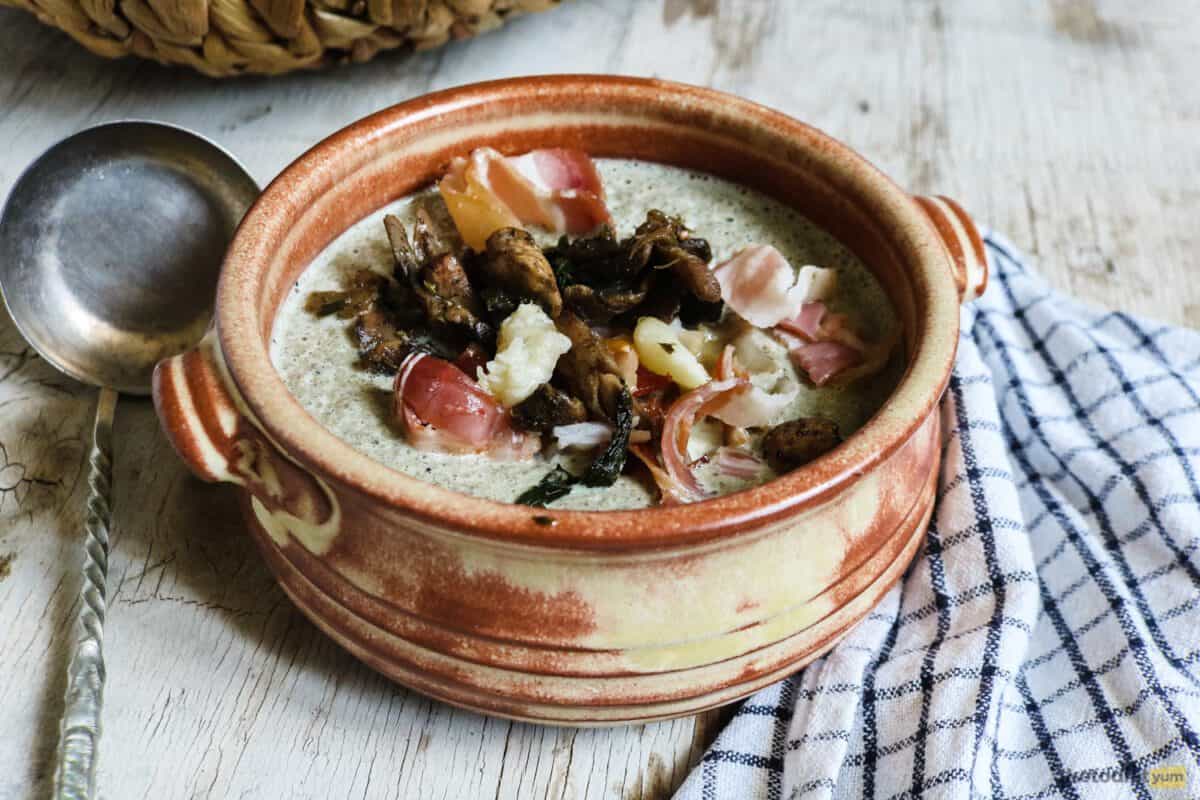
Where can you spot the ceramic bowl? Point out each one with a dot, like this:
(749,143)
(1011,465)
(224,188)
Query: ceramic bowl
(567,616)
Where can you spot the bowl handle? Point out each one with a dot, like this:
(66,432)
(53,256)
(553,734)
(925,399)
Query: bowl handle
(198,412)
(203,416)
(968,258)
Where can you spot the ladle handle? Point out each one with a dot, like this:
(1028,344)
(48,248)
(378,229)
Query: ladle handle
(79,733)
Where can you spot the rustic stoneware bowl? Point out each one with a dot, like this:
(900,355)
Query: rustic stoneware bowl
(567,616)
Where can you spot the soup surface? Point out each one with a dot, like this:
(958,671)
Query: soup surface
(319,364)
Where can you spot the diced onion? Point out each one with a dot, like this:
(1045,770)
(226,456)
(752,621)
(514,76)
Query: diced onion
(582,435)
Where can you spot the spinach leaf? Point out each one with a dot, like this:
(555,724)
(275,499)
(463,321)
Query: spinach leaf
(608,465)
(554,484)
(604,471)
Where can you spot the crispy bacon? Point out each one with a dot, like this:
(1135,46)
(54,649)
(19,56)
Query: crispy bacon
(670,490)
(807,322)
(738,462)
(759,284)
(443,410)
(558,189)
(815,323)
(749,406)
(824,346)
(677,428)
(823,361)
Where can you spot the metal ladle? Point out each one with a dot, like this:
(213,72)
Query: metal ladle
(110,247)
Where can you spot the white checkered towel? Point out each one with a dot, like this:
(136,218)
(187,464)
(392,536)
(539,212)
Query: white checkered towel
(1046,642)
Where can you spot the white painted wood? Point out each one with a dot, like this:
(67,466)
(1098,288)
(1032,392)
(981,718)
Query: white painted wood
(1074,127)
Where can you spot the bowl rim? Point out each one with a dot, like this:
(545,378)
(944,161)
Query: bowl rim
(303,439)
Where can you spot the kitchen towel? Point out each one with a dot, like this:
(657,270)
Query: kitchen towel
(1045,642)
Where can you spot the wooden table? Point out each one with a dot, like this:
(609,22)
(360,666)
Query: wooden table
(1073,127)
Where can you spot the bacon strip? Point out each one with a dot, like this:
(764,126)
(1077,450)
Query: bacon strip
(749,406)
(670,491)
(677,427)
(807,322)
(824,360)
(759,284)
(567,196)
(822,344)
(738,462)
(443,410)
(558,189)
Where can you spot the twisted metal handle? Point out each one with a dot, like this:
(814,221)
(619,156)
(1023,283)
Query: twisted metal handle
(79,732)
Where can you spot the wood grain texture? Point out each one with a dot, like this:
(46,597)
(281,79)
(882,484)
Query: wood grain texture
(1073,127)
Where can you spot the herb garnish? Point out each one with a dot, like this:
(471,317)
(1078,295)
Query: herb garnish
(604,471)
(608,465)
(554,484)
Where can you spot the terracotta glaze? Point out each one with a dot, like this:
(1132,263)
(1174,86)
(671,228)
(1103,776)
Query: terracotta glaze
(576,617)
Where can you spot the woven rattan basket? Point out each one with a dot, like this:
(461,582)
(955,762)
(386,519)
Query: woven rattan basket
(233,37)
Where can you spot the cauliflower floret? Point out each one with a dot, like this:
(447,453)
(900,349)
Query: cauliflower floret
(527,349)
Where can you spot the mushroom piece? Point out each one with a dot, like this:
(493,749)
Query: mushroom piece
(588,259)
(588,369)
(604,304)
(547,408)
(663,299)
(436,279)
(448,299)
(659,242)
(516,264)
(426,241)
(361,294)
(381,346)
(796,442)
(407,263)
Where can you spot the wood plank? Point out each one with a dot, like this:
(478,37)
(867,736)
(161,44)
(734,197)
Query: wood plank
(1071,127)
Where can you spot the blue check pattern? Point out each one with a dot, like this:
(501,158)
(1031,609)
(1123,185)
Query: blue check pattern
(1045,643)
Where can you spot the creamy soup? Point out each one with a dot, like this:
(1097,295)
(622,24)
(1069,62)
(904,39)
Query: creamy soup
(318,361)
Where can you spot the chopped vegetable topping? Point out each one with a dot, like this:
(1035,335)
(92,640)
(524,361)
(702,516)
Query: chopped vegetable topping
(527,351)
(617,346)
(660,351)
(603,471)
(546,408)
(554,484)
(608,465)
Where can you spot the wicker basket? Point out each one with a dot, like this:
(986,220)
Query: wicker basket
(234,37)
